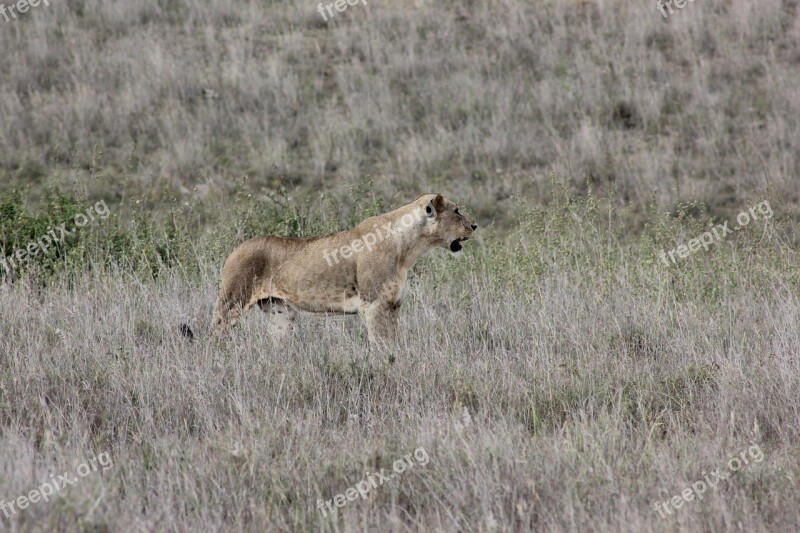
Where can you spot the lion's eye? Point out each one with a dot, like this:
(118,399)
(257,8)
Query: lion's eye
(457,211)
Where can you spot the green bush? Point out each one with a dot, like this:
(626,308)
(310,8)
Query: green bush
(73,234)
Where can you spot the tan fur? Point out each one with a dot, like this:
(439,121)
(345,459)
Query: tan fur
(284,275)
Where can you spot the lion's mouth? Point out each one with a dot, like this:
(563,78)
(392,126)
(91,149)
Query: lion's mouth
(456,246)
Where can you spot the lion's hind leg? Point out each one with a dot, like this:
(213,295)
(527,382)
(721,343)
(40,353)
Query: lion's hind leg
(282,317)
(227,312)
(231,303)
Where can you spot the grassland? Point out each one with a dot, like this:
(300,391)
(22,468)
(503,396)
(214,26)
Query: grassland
(559,376)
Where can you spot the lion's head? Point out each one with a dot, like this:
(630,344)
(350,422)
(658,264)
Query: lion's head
(447,227)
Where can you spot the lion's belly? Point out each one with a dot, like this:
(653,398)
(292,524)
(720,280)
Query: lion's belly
(350,305)
(346,306)
(313,302)
(313,288)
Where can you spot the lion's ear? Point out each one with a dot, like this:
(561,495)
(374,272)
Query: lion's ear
(438,203)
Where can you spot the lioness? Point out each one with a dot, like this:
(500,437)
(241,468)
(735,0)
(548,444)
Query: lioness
(363,270)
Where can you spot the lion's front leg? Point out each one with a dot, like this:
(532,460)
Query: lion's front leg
(381,318)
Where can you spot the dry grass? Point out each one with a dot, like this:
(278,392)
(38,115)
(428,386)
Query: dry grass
(566,380)
(560,377)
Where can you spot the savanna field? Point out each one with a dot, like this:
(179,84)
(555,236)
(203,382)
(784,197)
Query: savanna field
(617,349)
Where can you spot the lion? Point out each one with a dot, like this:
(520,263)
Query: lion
(360,271)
